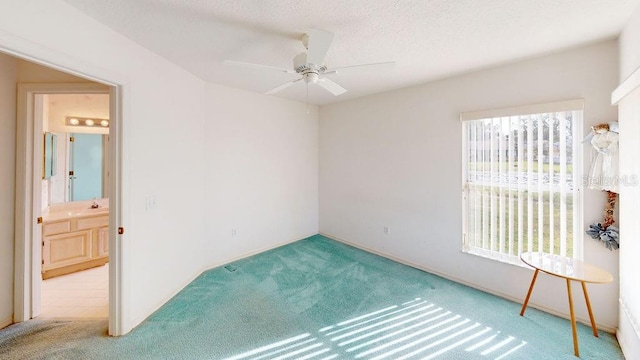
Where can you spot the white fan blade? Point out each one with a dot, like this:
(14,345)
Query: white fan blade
(258,66)
(358,67)
(318,44)
(282,87)
(331,87)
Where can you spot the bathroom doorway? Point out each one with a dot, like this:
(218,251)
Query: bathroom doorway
(33,77)
(75,205)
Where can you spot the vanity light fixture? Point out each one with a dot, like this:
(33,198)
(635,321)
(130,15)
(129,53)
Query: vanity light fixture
(81,121)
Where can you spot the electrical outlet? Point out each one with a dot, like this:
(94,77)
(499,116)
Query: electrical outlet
(234,232)
(150,202)
(386,230)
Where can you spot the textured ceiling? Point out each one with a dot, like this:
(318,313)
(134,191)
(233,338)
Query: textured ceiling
(428,39)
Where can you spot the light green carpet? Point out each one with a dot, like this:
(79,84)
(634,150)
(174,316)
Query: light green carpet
(318,299)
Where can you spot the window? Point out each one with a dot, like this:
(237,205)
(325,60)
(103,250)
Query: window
(521,181)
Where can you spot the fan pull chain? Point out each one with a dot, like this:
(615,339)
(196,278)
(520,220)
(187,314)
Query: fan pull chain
(307,101)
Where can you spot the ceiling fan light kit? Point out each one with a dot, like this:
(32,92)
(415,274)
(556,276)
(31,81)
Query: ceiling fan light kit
(310,64)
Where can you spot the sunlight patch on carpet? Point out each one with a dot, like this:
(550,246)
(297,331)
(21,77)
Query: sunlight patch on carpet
(416,328)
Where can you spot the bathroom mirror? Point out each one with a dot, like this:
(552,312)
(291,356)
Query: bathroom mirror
(76,143)
(50,155)
(83,164)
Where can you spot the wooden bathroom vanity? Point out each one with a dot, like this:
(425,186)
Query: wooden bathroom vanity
(74,237)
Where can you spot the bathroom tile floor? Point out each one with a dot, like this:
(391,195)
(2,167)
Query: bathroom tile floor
(84,294)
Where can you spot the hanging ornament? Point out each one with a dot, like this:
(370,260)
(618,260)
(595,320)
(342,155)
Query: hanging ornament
(603,175)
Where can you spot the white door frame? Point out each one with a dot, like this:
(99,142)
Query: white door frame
(119,288)
(28,197)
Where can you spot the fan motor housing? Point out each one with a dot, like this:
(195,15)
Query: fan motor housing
(309,71)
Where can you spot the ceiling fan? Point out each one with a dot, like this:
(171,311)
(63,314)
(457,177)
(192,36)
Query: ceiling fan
(311,65)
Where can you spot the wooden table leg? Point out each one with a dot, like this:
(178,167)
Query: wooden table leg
(593,320)
(526,300)
(574,330)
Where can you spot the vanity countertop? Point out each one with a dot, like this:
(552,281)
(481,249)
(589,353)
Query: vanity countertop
(76,209)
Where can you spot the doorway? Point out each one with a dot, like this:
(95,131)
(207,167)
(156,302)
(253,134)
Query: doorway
(28,211)
(75,205)
(22,288)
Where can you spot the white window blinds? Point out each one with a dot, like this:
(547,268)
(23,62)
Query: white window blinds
(521,180)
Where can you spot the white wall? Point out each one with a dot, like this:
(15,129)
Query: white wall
(163,121)
(394,159)
(214,158)
(629,49)
(8,74)
(40,114)
(261,172)
(629,331)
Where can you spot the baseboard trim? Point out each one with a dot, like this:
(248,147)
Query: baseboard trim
(255,252)
(585,321)
(628,334)
(6,322)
